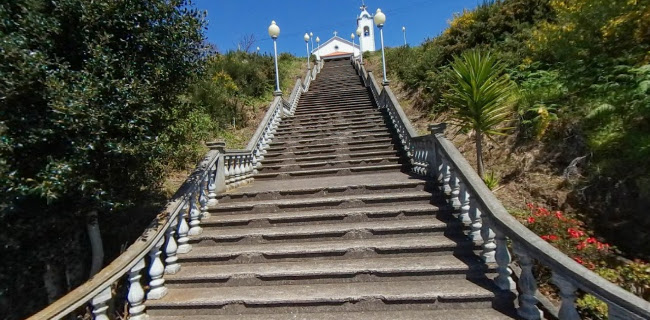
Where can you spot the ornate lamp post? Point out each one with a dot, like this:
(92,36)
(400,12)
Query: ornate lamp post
(352,37)
(404,32)
(274,32)
(258,50)
(311,35)
(318,47)
(306,37)
(380,18)
(359,31)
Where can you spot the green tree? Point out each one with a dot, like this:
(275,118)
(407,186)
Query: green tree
(480,97)
(88,90)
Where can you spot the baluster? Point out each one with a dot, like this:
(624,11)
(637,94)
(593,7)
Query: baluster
(238,172)
(454,201)
(527,284)
(183,229)
(475,216)
(464,204)
(99,304)
(249,168)
(136,293)
(446,177)
(568,294)
(487,234)
(227,171)
(203,199)
(504,274)
(255,164)
(212,188)
(157,287)
(171,260)
(195,216)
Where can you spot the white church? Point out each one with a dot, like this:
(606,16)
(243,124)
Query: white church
(337,47)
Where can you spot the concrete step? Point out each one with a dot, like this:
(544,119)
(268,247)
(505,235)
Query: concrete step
(397,211)
(368,126)
(287,136)
(377,269)
(349,150)
(443,314)
(339,187)
(336,114)
(329,145)
(348,163)
(368,169)
(334,107)
(339,137)
(345,201)
(437,293)
(361,230)
(351,123)
(335,156)
(431,245)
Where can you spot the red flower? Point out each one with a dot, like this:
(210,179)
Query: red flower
(530,205)
(581,245)
(578,260)
(531,220)
(591,240)
(575,233)
(553,237)
(558,214)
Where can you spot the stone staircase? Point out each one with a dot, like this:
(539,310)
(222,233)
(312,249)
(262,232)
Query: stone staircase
(332,228)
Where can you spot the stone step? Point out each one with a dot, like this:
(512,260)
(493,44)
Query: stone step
(443,314)
(438,293)
(328,145)
(350,123)
(322,231)
(355,185)
(336,111)
(349,150)
(376,126)
(336,138)
(377,269)
(348,163)
(397,211)
(335,156)
(288,137)
(330,115)
(337,97)
(435,244)
(368,169)
(311,107)
(345,201)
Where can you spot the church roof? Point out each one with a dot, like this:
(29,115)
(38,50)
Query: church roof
(337,53)
(338,39)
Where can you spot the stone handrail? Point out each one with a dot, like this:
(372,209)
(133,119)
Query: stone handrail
(168,235)
(491,225)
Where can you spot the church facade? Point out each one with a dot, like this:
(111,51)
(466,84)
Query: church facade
(339,47)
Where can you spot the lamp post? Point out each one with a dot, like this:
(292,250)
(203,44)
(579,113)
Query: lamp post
(404,32)
(359,31)
(352,37)
(274,32)
(258,50)
(306,37)
(318,47)
(380,18)
(311,35)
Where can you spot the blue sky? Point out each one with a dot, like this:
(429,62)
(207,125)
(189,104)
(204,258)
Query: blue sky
(230,20)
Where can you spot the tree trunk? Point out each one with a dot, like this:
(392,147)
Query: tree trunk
(479,153)
(97,248)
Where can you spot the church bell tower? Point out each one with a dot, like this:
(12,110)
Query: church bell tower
(367,25)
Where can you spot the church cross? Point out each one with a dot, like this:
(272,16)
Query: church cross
(335,32)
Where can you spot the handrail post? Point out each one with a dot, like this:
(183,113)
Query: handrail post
(220,179)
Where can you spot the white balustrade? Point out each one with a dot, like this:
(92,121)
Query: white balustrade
(489,243)
(502,256)
(568,294)
(195,216)
(528,285)
(464,204)
(171,260)
(476,224)
(183,229)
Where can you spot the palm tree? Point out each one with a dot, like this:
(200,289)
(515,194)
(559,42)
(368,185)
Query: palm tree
(480,96)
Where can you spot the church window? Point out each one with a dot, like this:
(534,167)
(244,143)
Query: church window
(336,47)
(366,31)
